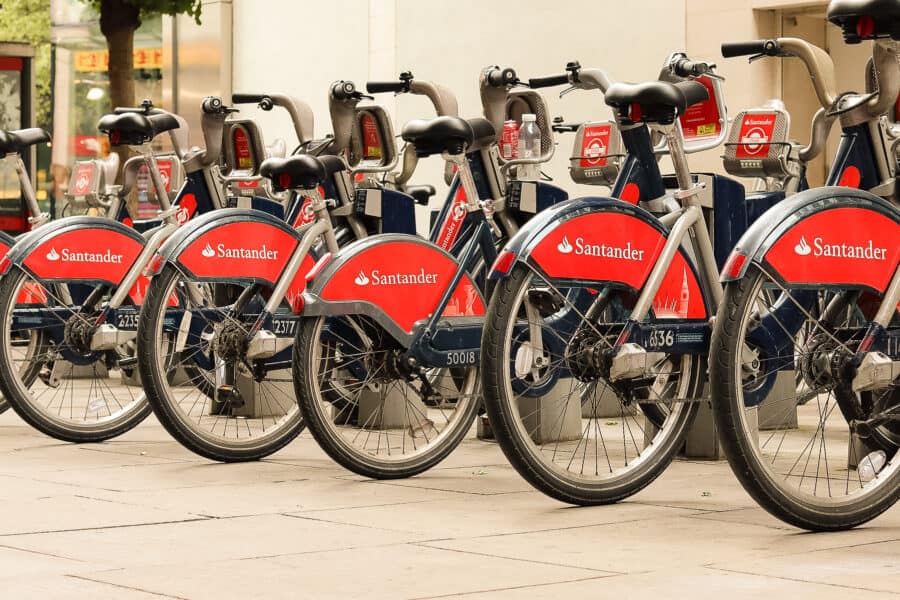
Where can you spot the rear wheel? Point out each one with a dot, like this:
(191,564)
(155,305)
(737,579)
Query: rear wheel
(814,466)
(193,364)
(371,412)
(564,425)
(48,372)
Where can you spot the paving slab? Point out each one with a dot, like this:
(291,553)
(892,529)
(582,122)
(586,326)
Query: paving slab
(141,517)
(206,541)
(702,583)
(402,571)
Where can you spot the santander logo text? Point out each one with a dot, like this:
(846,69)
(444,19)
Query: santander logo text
(84,257)
(821,248)
(377,278)
(223,251)
(583,248)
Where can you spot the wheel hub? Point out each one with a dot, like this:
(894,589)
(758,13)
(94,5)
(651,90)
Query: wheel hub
(78,331)
(587,357)
(231,342)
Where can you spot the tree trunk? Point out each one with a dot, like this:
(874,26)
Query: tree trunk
(121,67)
(118,21)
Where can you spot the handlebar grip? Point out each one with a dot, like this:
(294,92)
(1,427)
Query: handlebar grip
(691,68)
(749,48)
(381,87)
(247,98)
(211,105)
(343,90)
(501,77)
(552,80)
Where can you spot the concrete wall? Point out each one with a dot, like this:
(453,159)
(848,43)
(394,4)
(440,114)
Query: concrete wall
(299,48)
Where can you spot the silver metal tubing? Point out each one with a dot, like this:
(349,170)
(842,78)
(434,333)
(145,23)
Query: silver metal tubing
(679,158)
(888,307)
(821,126)
(465,177)
(140,264)
(27,188)
(311,234)
(162,196)
(692,214)
(703,249)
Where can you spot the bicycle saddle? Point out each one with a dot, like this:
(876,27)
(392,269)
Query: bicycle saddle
(332,164)
(16,141)
(434,136)
(883,21)
(134,129)
(657,101)
(299,171)
(421,193)
(483,132)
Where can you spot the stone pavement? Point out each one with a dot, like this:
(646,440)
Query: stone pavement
(142,518)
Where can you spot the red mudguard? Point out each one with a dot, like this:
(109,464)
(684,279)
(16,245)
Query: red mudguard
(400,277)
(825,236)
(77,249)
(606,240)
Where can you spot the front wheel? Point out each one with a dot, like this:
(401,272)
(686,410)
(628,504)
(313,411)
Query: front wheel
(793,441)
(368,412)
(568,429)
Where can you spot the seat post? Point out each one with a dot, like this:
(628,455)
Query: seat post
(465,178)
(37,218)
(679,158)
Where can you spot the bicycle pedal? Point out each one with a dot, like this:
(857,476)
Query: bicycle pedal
(228,395)
(47,377)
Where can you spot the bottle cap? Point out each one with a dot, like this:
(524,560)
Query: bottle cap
(528,117)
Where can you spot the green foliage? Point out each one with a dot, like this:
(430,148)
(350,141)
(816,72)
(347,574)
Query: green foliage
(161,7)
(29,21)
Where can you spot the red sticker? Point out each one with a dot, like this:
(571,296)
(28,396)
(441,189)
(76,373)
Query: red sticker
(631,193)
(610,246)
(240,250)
(453,221)
(165,172)
(242,148)
(84,176)
(88,253)
(702,120)
(755,135)
(844,246)
(187,206)
(595,145)
(850,177)
(305,214)
(405,280)
(371,138)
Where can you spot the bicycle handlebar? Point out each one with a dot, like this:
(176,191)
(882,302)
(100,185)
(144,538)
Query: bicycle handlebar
(498,77)
(343,90)
(750,48)
(549,81)
(692,68)
(381,87)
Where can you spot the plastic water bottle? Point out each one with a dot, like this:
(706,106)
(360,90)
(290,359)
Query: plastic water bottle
(871,465)
(529,147)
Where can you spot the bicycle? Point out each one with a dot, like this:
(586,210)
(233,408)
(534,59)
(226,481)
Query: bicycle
(240,314)
(71,289)
(812,287)
(385,360)
(596,335)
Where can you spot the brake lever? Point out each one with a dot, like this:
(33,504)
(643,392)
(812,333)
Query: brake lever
(568,90)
